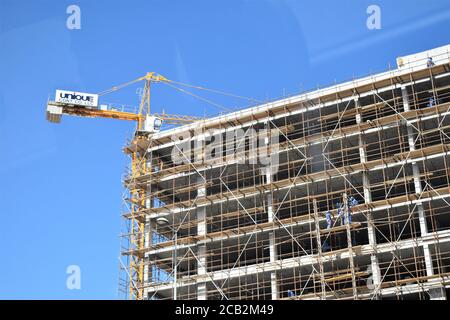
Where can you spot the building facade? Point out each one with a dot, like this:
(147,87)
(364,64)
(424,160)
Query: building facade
(337,193)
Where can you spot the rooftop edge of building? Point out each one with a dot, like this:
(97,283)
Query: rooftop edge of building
(405,65)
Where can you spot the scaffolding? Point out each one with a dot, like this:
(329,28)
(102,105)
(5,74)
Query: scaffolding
(237,228)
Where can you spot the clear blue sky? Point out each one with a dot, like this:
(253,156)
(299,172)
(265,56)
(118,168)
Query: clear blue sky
(60,187)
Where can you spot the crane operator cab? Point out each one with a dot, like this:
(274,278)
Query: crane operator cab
(151,125)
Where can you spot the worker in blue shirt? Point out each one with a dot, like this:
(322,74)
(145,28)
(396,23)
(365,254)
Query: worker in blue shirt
(351,203)
(329,220)
(430,62)
(431,102)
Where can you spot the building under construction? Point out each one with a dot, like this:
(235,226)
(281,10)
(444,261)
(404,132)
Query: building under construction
(337,193)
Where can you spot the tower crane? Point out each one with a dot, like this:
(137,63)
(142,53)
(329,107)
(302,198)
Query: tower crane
(86,105)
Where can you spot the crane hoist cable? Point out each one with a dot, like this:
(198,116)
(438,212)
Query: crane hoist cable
(154,77)
(215,91)
(198,97)
(118,87)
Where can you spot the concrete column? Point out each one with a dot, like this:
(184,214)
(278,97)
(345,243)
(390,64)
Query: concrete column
(147,268)
(437,294)
(273,275)
(201,270)
(148,237)
(418,188)
(374,266)
(272,244)
(201,249)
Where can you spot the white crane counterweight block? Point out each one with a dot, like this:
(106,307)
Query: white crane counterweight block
(54,113)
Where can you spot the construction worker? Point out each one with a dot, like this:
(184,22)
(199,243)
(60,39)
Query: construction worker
(329,220)
(352,202)
(430,62)
(291,294)
(431,102)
